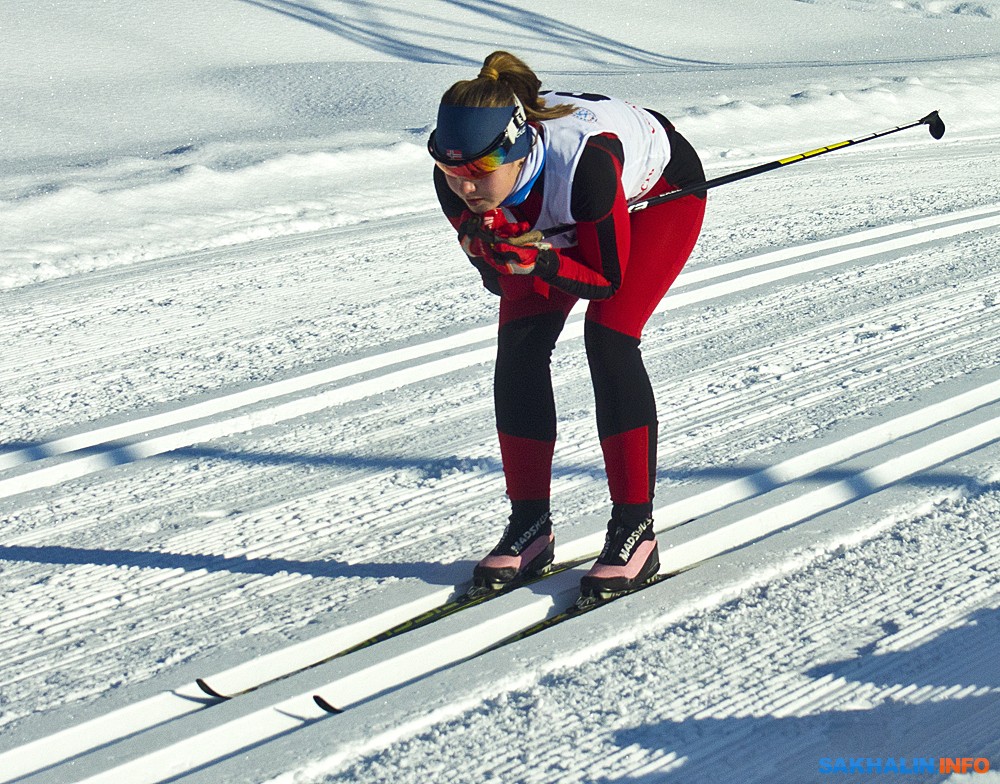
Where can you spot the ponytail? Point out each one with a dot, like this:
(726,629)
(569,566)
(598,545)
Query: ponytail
(502,75)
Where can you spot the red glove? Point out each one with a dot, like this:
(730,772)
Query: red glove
(514,259)
(483,236)
(473,236)
(496,222)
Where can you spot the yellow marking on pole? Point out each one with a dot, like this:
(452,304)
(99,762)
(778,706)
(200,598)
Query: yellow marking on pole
(811,153)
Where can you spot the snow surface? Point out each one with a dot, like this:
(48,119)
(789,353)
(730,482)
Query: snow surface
(246,393)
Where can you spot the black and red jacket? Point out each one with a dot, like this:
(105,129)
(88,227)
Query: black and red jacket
(595,267)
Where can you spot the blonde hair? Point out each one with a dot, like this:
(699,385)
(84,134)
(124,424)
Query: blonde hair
(502,74)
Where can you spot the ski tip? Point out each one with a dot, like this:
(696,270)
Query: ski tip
(209,690)
(329,708)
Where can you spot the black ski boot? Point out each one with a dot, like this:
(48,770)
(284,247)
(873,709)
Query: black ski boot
(628,560)
(525,550)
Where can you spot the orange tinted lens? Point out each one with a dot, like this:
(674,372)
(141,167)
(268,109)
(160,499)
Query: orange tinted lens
(477,169)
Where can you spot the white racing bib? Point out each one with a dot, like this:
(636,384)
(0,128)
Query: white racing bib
(644,140)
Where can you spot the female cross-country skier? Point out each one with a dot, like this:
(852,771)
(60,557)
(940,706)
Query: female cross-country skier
(510,159)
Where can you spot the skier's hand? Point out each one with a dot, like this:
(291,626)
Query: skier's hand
(475,232)
(504,245)
(530,259)
(496,221)
(473,236)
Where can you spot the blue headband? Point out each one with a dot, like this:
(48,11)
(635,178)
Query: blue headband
(465,133)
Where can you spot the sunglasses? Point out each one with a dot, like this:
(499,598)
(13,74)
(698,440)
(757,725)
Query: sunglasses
(491,158)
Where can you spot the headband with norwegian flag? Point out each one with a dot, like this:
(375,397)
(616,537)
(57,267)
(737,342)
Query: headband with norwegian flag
(467,133)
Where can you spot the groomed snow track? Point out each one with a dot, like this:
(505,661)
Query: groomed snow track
(181,731)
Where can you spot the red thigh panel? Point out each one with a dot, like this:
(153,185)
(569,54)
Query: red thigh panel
(662,240)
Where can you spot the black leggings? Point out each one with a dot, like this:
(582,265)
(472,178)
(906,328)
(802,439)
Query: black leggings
(661,241)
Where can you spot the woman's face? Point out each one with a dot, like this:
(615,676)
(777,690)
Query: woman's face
(486,193)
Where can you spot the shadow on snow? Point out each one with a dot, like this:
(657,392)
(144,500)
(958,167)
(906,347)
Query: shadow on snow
(791,749)
(391,31)
(960,720)
(427,469)
(436,573)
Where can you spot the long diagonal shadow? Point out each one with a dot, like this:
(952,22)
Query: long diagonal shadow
(434,467)
(405,42)
(429,467)
(386,40)
(809,748)
(584,44)
(123,453)
(435,573)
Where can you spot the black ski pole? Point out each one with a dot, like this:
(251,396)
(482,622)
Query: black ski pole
(932,120)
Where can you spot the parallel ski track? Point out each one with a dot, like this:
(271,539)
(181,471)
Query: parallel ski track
(682,729)
(790,694)
(952,320)
(201,322)
(953,329)
(960,331)
(83,440)
(269,720)
(979,216)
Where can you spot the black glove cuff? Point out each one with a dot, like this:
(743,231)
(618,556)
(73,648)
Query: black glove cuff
(547,264)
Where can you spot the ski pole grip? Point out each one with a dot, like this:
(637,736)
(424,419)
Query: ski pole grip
(526,239)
